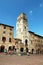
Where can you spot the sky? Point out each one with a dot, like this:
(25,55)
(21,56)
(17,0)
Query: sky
(10,9)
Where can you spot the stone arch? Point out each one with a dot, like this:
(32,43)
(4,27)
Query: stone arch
(11,48)
(21,49)
(32,50)
(26,42)
(26,49)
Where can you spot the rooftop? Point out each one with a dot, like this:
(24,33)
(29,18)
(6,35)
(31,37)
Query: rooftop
(6,25)
(35,34)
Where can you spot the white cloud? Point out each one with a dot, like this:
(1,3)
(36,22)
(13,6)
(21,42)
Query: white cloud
(41,5)
(31,12)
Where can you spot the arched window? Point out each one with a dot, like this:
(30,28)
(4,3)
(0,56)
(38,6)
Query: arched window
(3,39)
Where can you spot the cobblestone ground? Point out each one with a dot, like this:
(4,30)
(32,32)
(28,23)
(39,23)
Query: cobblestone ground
(21,60)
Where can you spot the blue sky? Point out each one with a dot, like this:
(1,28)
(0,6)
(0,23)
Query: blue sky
(10,9)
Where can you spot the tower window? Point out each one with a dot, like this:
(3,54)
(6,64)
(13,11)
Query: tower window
(25,27)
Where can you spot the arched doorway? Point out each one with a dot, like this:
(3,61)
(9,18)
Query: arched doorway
(11,47)
(26,50)
(26,42)
(32,51)
(26,45)
(2,48)
(21,49)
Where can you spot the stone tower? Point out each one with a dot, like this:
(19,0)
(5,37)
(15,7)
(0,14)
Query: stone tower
(22,29)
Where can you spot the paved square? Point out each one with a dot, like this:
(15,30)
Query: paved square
(21,60)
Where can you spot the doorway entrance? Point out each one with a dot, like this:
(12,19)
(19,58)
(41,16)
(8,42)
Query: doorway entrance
(2,48)
(26,42)
(21,49)
(32,51)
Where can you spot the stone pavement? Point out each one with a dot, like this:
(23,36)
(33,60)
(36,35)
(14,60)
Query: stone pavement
(21,60)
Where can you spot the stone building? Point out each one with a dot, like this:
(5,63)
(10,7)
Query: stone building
(16,44)
(36,45)
(30,40)
(6,36)
(25,40)
(22,29)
